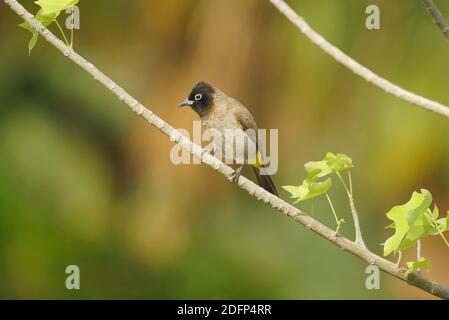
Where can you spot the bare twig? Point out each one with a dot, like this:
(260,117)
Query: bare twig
(437,17)
(355,214)
(247,185)
(356,67)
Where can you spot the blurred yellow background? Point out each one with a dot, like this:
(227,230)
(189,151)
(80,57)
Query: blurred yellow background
(84,181)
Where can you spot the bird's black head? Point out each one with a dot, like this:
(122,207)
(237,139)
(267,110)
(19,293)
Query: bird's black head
(200,98)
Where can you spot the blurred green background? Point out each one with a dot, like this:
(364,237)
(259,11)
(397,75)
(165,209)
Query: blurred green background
(85,181)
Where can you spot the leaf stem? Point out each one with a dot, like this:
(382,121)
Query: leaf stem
(434,224)
(399,258)
(312,213)
(338,221)
(63,34)
(350,181)
(73,26)
(441,234)
(418,253)
(344,184)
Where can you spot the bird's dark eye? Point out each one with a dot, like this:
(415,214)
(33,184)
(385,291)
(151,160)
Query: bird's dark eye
(198,96)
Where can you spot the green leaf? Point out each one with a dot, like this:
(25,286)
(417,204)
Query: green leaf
(46,20)
(408,218)
(417,231)
(338,162)
(308,190)
(331,163)
(296,191)
(317,169)
(50,9)
(435,213)
(55,6)
(318,188)
(422,263)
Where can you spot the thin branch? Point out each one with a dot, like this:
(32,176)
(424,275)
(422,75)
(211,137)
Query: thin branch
(356,67)
(355,214)
(355,218)
(247,185)
(437,17)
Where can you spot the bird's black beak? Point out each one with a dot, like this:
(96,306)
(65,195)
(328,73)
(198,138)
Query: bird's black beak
(185,102)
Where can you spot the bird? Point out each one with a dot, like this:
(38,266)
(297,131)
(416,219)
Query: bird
(223,114)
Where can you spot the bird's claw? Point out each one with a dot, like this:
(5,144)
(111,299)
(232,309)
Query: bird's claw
(234,177)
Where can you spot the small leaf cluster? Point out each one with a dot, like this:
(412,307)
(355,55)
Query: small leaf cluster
(315,184)
(412,221)
(49,11)
(422,263)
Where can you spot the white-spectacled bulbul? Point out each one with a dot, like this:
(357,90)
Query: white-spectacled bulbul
(221,112)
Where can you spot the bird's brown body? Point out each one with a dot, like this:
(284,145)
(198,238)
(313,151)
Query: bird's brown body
(227,113)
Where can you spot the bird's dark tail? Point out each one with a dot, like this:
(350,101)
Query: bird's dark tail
(265,181)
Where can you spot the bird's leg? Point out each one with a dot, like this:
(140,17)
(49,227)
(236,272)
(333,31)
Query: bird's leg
(207,149)
(234,177)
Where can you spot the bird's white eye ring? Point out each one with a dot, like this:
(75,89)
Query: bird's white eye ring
(198,96)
